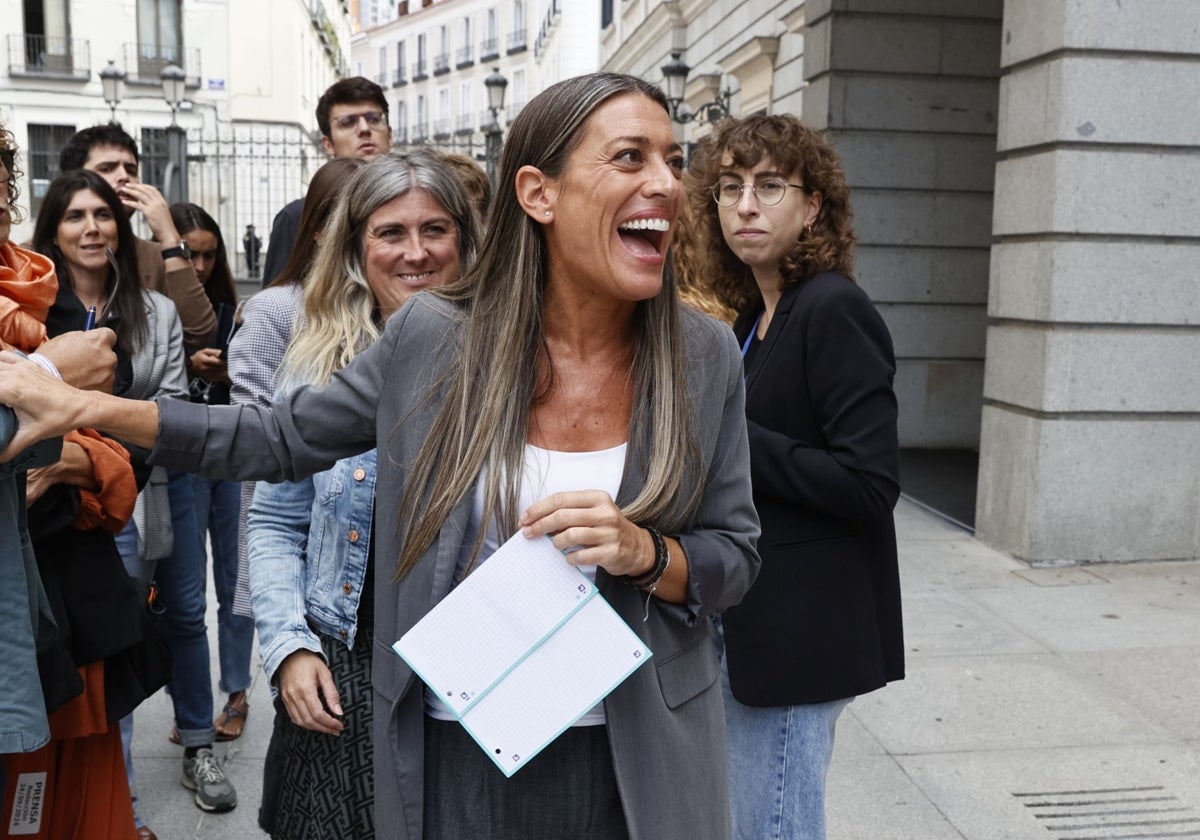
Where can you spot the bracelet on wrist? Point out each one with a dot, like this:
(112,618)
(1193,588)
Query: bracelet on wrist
(45,364)
(662,559)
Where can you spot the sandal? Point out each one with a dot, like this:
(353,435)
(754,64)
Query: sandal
(232,721)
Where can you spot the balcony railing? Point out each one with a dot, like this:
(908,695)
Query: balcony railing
(516,41)
(463,124)
(441,128)
(465,57)
(144,63)
(381,78)
(489,49)
(400,136)
(48,55)
(441,64)
(420,132)
(398,77)
(513,110)
(419,70)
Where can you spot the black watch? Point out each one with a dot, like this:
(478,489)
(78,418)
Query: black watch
(180,250)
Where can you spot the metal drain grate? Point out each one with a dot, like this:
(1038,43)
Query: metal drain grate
(1132,813)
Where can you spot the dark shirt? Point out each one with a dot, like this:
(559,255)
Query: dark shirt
(283,237)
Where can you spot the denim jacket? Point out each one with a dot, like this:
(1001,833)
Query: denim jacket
(307,544)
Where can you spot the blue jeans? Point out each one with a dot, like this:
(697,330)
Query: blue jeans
(181,583)
(778,759)
(217,507)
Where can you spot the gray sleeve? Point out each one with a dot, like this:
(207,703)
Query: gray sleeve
(721,549)
(301,433)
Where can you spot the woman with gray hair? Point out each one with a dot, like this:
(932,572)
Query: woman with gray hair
(403,223)
(561,359)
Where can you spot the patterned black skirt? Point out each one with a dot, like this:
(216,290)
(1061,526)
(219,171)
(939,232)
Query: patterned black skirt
(321,787)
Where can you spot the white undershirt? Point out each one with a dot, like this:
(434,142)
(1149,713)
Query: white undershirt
(546,472)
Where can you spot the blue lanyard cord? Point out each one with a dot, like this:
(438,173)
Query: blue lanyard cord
(750,337)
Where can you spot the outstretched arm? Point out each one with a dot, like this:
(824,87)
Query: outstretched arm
(46,407)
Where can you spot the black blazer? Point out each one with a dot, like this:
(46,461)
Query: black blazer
(822,622)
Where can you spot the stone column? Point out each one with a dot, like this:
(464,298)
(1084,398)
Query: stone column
(1090,444)
(907,90)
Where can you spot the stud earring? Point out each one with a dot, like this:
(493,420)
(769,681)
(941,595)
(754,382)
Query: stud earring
(547,212)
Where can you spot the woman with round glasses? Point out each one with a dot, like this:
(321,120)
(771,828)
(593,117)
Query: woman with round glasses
(822,623)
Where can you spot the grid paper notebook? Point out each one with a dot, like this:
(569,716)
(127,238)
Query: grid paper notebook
(522,649)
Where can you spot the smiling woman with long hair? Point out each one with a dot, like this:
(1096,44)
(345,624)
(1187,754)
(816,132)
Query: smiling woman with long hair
(402,216)
(83,227)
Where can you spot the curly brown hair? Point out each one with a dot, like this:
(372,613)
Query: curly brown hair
(689,255)
(8,141)
(797,150)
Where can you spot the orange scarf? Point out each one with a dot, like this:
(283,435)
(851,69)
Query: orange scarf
(27,289)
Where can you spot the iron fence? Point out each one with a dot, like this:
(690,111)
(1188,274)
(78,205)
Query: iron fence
(243,174)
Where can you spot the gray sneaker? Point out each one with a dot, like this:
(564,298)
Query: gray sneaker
(204,774)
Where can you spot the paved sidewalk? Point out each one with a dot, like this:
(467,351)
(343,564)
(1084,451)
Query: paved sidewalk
(1039,703)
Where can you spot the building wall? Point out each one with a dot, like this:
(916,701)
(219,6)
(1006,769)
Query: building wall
(751,48)
(1091,423)
(268,150)
(278,79)
(909,93)
(71,95)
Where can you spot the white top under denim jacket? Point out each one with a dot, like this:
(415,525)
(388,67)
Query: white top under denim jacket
(307,545)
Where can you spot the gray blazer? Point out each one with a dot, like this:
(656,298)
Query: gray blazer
(666,722)
(158,371)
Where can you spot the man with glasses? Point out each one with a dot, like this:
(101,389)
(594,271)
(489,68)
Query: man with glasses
(353,118)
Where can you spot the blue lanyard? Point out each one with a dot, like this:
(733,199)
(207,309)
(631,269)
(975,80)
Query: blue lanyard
(750,337)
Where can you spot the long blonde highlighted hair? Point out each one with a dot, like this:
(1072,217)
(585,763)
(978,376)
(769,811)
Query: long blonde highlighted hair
(482,422)
(340,317)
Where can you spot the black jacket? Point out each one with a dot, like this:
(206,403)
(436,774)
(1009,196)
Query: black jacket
(822,622)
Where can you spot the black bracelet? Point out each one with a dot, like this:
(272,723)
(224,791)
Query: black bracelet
(662,558)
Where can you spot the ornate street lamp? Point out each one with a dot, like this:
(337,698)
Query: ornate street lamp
(111,78)
(675,73)
(495,84)
(173,85)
